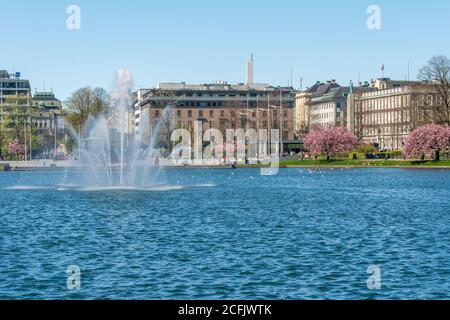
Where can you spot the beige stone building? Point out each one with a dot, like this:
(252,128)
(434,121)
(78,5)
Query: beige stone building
(324,105)
(220,105)
(301,117)
(303,103)
(385,117)
(329,110)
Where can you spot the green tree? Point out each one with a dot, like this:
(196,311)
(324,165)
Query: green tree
(86,102)
(15,114)
(437,74)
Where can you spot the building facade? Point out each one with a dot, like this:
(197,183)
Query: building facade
(47,111)
(221,106)
(329,110)
(324,105)
(13,85)
(385,116)
(303,104)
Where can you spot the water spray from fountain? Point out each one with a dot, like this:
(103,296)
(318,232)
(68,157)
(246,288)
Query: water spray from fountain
(121,101)
(111,154)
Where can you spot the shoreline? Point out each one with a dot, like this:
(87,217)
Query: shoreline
(231,167)
(363,167)
(50,165)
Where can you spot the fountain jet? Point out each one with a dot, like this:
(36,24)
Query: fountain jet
(111,154)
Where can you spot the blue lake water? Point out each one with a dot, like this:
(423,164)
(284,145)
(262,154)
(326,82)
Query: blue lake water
(229,234)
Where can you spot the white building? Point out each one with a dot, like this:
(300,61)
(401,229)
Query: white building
(329,110)
(12,85)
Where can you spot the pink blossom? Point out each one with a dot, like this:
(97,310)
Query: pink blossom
(16,148)
(427,140)
(330,141)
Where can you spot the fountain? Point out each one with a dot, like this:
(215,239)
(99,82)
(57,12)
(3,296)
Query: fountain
(111,155)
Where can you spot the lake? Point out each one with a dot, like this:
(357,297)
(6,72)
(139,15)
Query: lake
(228,234)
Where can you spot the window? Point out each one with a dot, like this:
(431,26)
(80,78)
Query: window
(200,113)
(23,85)
(243,122)
(189,113)
(211,113)
(9,85)
(222,113)
(178,113)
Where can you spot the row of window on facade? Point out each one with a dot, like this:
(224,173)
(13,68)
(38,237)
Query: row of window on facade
(326,106)
(14,92)
(389,130)
(38,124)
(14,85)
(243,122)
(233,113)
(243,125)
(386,117)
(232,95)
(399,102)
(395,117)
(322,116)
(204,104)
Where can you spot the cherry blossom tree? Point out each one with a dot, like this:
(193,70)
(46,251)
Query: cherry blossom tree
(330,141)
(16,148)
(426,141)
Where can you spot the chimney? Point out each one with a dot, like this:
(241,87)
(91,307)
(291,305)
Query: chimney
(250,71)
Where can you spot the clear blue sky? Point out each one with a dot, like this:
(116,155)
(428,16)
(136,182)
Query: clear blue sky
(206,40)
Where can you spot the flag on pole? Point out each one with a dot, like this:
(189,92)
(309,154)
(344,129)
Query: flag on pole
(382,67)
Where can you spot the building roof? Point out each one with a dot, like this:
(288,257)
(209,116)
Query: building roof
(4,74)
(320,88)
(44,96)
(340,92)
(219,86)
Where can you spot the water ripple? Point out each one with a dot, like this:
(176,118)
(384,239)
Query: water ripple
(229,234)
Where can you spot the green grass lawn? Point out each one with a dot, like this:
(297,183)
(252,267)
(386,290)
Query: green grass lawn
(359,163)
(368,163)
